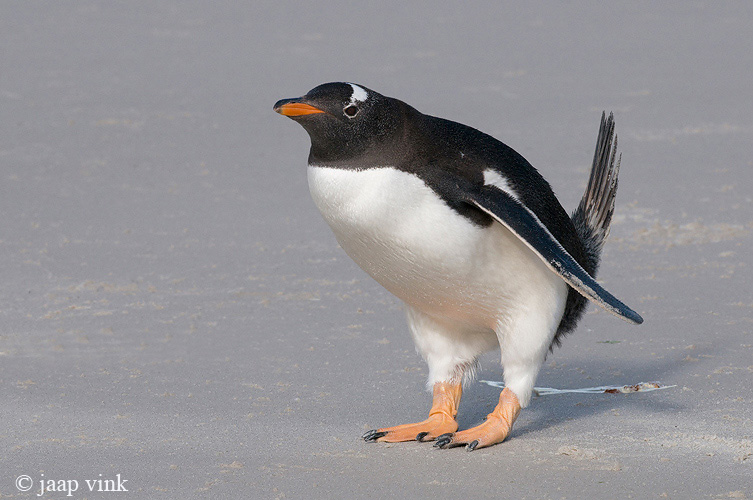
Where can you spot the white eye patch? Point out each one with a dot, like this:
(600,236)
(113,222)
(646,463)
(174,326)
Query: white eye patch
(359,94)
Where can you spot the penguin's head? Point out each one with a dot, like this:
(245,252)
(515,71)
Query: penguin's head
(344,120)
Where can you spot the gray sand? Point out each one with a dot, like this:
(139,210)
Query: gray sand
(174,310)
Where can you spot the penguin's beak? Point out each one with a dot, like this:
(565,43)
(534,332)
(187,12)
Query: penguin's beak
(294,107)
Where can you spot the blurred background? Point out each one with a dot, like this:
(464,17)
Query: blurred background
(173,308)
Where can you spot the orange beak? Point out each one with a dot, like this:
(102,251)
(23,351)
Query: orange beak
(296,109)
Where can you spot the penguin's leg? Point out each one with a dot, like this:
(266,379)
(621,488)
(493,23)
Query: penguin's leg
(441,418)
(451,354)
(495,428)
(524,339)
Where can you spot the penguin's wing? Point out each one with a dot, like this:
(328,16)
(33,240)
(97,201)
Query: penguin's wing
(515,216)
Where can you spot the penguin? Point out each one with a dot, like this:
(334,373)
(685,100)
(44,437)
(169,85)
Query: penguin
(468,234)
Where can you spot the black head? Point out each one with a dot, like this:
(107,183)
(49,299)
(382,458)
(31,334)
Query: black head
(345,121)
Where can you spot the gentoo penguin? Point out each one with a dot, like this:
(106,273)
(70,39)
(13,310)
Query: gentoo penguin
(467,233)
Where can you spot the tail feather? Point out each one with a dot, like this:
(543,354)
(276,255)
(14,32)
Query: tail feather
(593,216)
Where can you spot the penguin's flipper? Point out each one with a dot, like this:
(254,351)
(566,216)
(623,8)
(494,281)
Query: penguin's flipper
(511,213)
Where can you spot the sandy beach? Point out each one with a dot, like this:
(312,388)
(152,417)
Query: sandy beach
(177,320)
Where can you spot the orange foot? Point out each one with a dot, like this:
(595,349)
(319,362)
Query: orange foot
(494,430)
(441,419)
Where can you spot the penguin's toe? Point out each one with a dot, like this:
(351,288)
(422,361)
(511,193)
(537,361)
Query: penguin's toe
(427,430)
(372,435)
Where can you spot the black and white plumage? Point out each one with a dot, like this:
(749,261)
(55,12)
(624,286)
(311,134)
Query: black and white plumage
(460,227)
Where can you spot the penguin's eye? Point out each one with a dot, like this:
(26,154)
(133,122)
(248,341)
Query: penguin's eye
(351,110)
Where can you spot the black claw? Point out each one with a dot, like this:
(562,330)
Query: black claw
(421,435)
(373,435)
(472,445)
(443,440)
(442,443)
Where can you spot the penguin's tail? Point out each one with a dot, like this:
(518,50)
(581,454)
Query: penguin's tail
(592,218)
(594,213)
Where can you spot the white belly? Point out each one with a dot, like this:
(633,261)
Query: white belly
(403,235)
